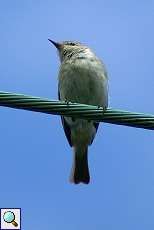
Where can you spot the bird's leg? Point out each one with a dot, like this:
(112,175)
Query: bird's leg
(67,102)
(100,107)
(104,109)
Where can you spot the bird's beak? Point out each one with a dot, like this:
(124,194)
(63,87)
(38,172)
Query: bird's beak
(56,44)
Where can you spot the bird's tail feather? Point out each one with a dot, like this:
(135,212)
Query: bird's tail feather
(80,170)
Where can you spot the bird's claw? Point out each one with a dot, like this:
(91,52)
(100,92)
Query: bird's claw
(103,108)
(66,101)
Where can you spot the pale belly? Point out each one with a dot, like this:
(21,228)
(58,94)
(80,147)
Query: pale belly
(83,83)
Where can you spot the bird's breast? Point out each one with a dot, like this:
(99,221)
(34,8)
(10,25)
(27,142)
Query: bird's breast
(83,80)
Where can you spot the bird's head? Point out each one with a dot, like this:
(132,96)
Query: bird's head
(67,48)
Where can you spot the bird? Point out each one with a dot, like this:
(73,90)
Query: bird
(82,79)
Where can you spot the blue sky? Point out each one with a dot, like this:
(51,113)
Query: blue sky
(35,157)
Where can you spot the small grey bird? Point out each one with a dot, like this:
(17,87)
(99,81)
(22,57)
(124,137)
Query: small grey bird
(82,79)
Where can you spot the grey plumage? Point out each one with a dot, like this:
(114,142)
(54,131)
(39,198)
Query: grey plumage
(82,79)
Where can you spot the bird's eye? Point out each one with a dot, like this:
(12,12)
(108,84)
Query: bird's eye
(72,44)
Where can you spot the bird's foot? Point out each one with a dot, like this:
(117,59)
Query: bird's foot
(103,108)
(67,102)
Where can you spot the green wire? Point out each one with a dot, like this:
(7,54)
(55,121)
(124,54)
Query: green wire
(89,112)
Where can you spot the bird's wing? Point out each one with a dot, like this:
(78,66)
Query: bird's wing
(96,124)
(66,127)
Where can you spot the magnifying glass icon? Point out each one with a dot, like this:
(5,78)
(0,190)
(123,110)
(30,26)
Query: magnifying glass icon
(9,217)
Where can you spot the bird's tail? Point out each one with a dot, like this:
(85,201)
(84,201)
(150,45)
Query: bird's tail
(80,170)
